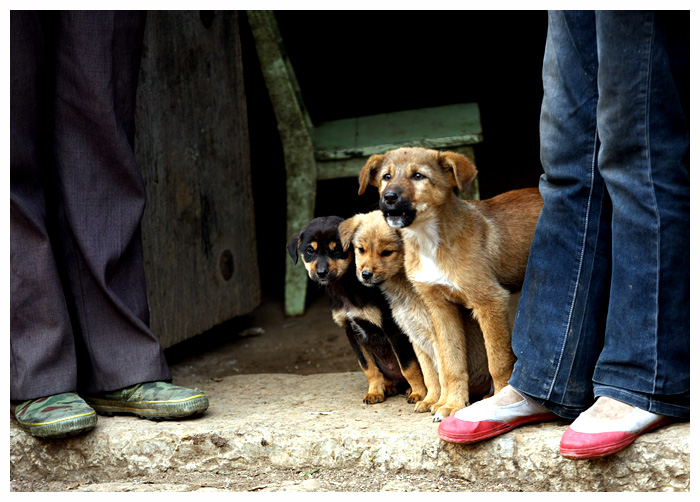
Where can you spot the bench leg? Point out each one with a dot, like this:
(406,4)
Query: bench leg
(301,200)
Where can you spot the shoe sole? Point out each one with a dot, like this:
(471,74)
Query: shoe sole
(65,427)
(152,410)
(609,449)
(496,431)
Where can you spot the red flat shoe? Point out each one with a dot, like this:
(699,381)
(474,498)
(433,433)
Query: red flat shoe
(595,438)
(454,430)
(484,420)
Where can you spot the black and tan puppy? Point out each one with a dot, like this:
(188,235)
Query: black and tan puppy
(458,253)
(379,262)
(384,352)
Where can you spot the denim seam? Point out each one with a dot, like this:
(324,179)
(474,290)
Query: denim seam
(580,267)
(653,198)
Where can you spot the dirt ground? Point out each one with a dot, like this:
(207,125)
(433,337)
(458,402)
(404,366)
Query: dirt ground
(266,341)
(266,479)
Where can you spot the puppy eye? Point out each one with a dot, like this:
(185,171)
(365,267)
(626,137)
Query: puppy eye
(418,176)
(386,177)
(310,249)
(361,250)
(387,252)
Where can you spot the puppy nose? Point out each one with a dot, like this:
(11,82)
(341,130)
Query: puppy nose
(322,272)
(366,274)
(391,197)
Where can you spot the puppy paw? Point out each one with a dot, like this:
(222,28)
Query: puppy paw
(414,397)
(390,390)
(442,413)
(434,407)
(373,398)
(422,407)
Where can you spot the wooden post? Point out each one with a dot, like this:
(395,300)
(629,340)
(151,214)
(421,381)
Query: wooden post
(192,145)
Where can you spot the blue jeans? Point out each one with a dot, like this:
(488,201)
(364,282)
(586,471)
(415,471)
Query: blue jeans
(605,307)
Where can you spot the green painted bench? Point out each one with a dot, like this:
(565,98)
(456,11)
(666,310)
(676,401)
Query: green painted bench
(339,149)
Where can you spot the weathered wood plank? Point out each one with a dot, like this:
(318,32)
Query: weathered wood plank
(439,127)
(192,145)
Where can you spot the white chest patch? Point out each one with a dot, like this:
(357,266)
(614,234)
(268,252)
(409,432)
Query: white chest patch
(358,329)
(427,241)
(429,272)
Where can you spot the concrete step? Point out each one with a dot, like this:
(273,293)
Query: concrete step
(316,425)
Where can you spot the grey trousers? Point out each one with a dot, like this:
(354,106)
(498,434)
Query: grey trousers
(78,307)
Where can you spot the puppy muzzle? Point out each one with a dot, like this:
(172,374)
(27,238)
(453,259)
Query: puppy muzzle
(367,278)
(324,279)
(398,211)
(323,274)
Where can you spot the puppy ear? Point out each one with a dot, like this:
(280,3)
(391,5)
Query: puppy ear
(293,247)
(347,231)
(368,174)
(462,168)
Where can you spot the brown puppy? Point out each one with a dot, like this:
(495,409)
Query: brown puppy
(458,253)
(379,262)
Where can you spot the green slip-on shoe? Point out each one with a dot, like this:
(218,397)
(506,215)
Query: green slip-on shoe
(57,416)
(152,400)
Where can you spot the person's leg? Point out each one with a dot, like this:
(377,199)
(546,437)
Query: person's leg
(102,198)
(42,350)
(644,136)
(121,365)
(558,328)
(642,376)
(43,369)
(92,178)
(562,306)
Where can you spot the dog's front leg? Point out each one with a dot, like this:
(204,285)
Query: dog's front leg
(376,393)
(379,387)
(407,358)
(431,379)
(491,311)
(450,352)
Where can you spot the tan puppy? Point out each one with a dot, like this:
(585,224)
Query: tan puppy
(379,260)
(458,253)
